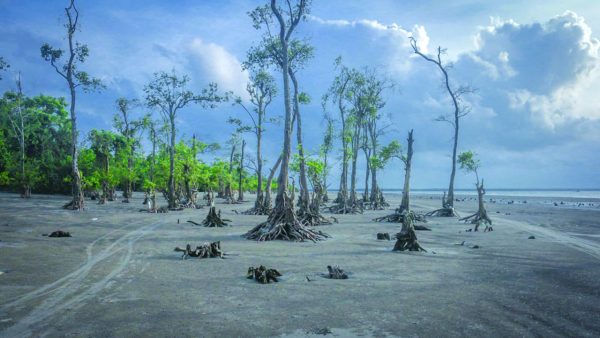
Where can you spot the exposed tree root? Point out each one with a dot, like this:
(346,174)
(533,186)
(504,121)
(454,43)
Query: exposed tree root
(213,219)
(377,202)
(350,207)
(261,207)
(59,233)
(479,218)
(443,212)
(283,224)
(406,240)
(336,273)
(398,217)
(207,250)
(263,275)
(314,219)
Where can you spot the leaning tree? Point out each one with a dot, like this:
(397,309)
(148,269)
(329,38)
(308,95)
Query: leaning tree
(282,222)
(76,53)
(169,93)
(460,110)
(469,162)
(326,148)
(261,90)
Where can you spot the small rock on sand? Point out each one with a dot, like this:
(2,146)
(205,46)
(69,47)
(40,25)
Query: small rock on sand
(531,237)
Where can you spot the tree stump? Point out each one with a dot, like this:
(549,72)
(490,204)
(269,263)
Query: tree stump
(336,272)
(60,233)
(207,250)
(213,219)
(263,275)
(406,239)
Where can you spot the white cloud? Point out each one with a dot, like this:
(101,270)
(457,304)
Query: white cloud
(399,36)
(549,70)
(220,66)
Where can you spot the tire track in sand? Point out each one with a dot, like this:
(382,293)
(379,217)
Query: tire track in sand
(70,292)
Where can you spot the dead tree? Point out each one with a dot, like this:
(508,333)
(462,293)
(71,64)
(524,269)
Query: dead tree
(470,163)
(460,110)
(406,239)
(213,219)
(335,272)
(207,250)
(283,222)
(76,53)
(263,275)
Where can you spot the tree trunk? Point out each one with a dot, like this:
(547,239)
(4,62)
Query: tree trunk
(267,201)
(303,201)
(171,191)
(259,164)
(367,174)
(450,197)
(240,179)
(405,204)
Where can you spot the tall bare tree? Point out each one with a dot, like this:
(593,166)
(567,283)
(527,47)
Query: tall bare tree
(282,222)
(461,109)
(76,53)
(169,93)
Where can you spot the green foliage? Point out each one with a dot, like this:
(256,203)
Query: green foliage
(3,66)
(46,134)
(392,150)
(468,161)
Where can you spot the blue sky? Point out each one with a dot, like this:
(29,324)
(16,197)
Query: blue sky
(535,118)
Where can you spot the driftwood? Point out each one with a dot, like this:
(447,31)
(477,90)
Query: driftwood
(60,233)
(207,250)
(263,275)
(336,273)
(213,219)
(283,224)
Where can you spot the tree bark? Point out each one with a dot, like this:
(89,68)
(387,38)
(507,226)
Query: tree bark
(303,201)
(240,179)
(171,192)
(405,204)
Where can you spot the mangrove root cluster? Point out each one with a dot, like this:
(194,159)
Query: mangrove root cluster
(213,219)
(283,224)
(207,250)
(263,275)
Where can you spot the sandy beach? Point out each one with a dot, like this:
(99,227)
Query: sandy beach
(118,274)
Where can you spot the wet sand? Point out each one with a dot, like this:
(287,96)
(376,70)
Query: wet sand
(118,275)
